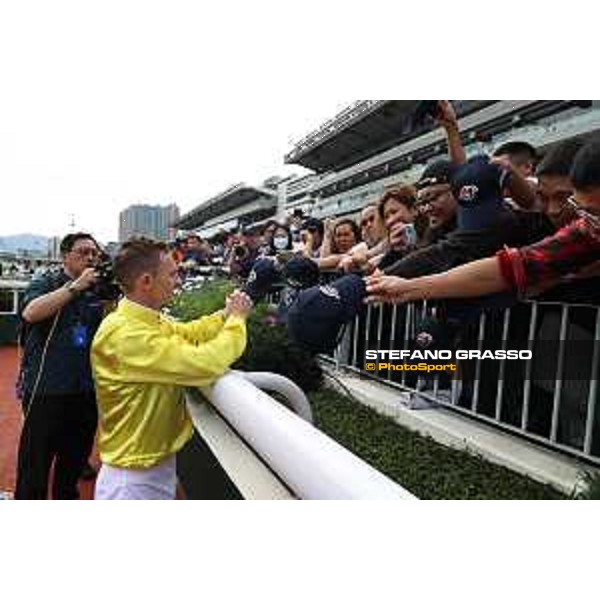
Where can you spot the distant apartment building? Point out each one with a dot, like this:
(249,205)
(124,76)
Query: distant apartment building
(112,248)
(151,221)
(54,247)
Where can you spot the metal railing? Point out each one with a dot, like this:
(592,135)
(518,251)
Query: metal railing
(10,297)
(11,292)
(552,399)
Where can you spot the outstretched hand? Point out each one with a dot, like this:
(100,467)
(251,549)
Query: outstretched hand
(386,288)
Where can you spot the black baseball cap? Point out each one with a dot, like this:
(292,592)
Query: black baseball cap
(437,173)
(314,224)
(249,231)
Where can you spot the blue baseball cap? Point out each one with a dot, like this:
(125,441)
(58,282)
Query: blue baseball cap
(317,317)
(478,187)
(301,272)
(263,276)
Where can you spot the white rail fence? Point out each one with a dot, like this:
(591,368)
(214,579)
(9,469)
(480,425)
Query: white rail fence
(309,463)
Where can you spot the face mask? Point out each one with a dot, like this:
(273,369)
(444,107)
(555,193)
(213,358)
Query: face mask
(280,242)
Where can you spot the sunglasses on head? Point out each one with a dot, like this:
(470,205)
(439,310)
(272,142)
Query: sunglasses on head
(582,212)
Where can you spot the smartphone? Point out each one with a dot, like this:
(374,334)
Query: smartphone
(411,235)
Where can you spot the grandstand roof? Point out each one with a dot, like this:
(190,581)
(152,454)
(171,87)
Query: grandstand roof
(232,198)
(364,129)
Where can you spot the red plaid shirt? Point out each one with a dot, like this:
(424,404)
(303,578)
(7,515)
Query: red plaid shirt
(535,268)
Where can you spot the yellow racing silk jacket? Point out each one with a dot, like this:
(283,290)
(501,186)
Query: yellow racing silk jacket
(141,362)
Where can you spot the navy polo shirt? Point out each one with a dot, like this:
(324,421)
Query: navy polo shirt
(66,368)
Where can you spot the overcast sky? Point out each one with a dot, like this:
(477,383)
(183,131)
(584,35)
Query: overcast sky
(130,104)
(105,104)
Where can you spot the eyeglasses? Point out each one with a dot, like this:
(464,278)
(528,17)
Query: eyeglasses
(425,201)
(84,252)
(583,213)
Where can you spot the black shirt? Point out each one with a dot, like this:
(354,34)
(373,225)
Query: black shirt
(66,366)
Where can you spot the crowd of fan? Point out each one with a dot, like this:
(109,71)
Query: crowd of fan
(476,233)
(328,243)
(459,211)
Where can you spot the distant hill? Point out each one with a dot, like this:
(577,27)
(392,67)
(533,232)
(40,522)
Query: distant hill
(24,241)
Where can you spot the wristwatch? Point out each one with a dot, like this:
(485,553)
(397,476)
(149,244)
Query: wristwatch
(72,288)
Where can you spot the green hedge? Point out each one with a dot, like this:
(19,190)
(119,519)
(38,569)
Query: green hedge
(269,348)
(204,301)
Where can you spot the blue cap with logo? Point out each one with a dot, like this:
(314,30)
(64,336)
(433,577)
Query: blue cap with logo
(264,275)
(478,187)
(316,319)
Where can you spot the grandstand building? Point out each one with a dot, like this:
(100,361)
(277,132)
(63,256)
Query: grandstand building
(239,205)
(374,144)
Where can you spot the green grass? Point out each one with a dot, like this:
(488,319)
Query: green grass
(421,465)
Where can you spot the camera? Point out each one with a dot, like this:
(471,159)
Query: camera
(240,252)
(425,110)
(106,286)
